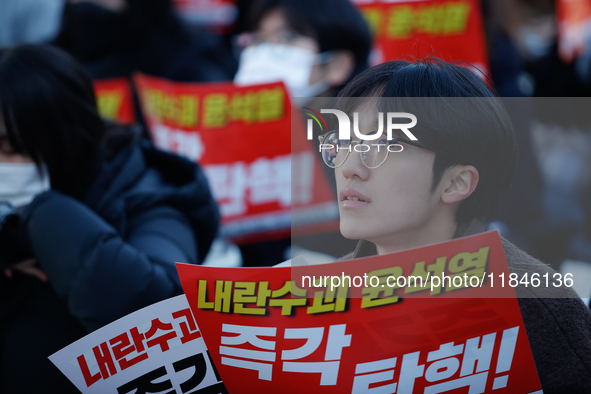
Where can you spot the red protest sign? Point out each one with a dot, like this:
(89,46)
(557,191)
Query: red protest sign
(451,29)
(266,335)
(115,99)
(241,137)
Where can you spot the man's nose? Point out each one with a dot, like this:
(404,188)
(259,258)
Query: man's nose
(353,166)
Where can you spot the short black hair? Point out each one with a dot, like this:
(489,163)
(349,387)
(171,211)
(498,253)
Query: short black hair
(335,24)
(48,105)
(472,127)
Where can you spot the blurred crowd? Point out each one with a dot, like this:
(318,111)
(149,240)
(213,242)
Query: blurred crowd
(547,209)
(545,212)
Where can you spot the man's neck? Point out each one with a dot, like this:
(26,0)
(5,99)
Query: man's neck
(416,239)
(438,234)
(441,226)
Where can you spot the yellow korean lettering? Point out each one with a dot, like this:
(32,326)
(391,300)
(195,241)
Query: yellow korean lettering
(466,260)
(456,18)
(155,103)
(270,104)
(243,107)
(161,105)
(430,19)
(202,302)
(468,264)
(287,304)
(426,274)
(215,110)
(400,23)
(223,295)
(188,111)
(245,293)
(263,294)
(373,17)
(169,108)
(383,291)
(334,300)
(108,104)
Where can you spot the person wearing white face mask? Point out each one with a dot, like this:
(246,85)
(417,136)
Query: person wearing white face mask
(21,182)
(266,62)
(313,46)
(104,238)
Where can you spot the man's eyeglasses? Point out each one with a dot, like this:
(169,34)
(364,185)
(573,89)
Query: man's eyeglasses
(373,152)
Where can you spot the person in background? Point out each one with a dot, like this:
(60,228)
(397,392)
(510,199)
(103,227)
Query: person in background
(314,47)
(115,38)
(545,212)
(29,21)
(102,242)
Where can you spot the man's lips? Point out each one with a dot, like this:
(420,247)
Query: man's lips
(350,197)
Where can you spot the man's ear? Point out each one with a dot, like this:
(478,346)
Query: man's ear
(340,67)
(461,183)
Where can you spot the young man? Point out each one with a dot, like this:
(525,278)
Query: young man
(443,186)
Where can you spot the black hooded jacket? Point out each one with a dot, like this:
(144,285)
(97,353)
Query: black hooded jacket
(107,252)
(115,251)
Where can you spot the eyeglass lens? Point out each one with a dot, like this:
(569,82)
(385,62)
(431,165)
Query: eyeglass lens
(335,151)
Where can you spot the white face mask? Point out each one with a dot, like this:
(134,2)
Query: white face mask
(21,182)
(265,63)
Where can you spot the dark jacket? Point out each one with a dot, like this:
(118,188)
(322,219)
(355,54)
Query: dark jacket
(34,323)
(557,322)
(115,251)
(108,252)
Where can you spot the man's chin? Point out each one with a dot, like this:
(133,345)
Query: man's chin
(350,231)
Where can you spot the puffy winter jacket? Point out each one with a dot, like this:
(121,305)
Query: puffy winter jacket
(115,251)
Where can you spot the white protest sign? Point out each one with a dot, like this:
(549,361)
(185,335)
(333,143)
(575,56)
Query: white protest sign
(158,349)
